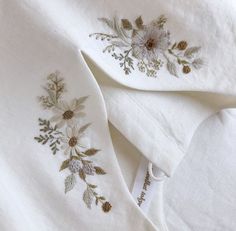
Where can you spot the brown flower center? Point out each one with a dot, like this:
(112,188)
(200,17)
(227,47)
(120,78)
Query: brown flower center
(150,44)
(67,115)
(73,141)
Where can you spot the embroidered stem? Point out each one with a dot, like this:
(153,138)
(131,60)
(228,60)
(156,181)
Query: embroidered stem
(126,62)
(103,36)
(180,59)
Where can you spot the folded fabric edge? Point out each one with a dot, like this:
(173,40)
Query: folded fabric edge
(152,141)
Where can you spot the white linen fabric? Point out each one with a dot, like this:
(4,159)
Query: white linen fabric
(191,110)
(207,200)
(39,37)
(208,24)
(201,193)
(168,119)
(32,188)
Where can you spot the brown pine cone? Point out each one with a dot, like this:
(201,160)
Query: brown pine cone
(186,69)
(106,207)
(182,45)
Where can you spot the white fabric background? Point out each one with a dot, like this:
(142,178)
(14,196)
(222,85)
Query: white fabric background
(195,196)
(190,202)
(207,23)
(201,196)
(23,48)
(32,196)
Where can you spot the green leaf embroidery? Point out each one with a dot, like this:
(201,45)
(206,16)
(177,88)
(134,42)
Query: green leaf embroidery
(91,152)
(69,183)
(65,164)
(82,175)
(88,197)
(92,186)
(107,21)
(160,22)
(139,22)
(99,170)
(119,30)
(172,68)
(126,62)
(83,128)
(81,100)
(55,88)
(197,63)
(190,52)
(126,24)
(51,135)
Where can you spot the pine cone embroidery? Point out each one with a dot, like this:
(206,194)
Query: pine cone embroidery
(106,207)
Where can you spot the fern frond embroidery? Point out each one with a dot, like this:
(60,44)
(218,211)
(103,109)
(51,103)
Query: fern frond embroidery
(148,47)
(64,134)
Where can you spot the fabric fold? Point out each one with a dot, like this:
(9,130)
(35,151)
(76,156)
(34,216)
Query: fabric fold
(159,124)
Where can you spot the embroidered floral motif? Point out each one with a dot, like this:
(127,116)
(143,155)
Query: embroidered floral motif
(149,46)
(63,134)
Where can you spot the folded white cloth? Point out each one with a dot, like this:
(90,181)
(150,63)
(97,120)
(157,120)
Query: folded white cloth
(208,33)
(206,24)
(38,38)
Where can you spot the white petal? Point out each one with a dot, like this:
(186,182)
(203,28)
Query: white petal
(75,131)
(80,114)
(60,124)
(84,142)
(73,152)
(61,106)
(73,104)
(67,151)
(65,105)
(56,118)
(64,146)
(64,140)
(79,108)
(70,122)
(69,132)
(138,37)
(137,52)
(77,149)
(57,110)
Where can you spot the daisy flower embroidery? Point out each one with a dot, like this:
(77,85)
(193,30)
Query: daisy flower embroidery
(67,113)
(74,141)
(64,133)
(149,43)
(148,47)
